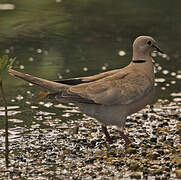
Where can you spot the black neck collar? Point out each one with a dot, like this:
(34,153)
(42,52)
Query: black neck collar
(138,61)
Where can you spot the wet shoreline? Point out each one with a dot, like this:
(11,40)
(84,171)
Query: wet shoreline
(58,152)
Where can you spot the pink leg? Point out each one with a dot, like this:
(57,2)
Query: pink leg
(108,138)
(127,141)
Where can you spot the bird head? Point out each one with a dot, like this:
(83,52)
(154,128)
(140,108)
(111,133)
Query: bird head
(145,45)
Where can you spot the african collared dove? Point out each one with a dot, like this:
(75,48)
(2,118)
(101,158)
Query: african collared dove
(111,96)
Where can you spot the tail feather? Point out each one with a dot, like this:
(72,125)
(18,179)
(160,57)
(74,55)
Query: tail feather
(49,85)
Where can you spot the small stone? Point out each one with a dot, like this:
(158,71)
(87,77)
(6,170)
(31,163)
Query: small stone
(133,145)
(157,178)
(179,125)
(161,152)
(178,173)
(134,166)
(131,150)
(179,147)
(122,53)
(165,123)
(90,161)
(135,175)
(145,116)
(144,153)
(152,118)
(166,158)
(167,169)
(153,139)
(157,171)
(153,156)
(177,160)
(154,132)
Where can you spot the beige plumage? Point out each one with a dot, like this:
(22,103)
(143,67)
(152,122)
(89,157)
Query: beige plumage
(110,96)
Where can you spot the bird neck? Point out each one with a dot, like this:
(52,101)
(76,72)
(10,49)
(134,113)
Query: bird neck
(139,61)
(141,58)
(141,55)
(143,64)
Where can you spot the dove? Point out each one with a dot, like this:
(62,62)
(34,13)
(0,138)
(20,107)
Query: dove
(111,96)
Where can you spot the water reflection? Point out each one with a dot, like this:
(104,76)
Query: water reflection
(6,127)
(7,6)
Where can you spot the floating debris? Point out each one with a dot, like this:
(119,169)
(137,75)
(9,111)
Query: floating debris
(153,54)
(30,84)
(177,99)
(10,113)
(173,82)
(104,68)
(161,80)
(122,53)
(58,1)
(178,76)
(173,73)
(15,120)
(7,6)
(34,107)
(67,70)
(19,97)
(39,51)
(44,113)
(85,69)
(48,104)
(31,59)
(21,67)
(175,94)
(165,72)
(9,107)
(7,51)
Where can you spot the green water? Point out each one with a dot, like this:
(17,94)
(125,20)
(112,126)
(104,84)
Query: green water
(67,39)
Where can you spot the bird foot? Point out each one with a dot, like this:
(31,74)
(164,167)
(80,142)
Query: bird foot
(108,138)
(126,139)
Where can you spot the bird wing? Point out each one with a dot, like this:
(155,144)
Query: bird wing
(81,80)
(120,88)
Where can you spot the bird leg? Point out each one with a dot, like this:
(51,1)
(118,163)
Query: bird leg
(108,138)
(127,141)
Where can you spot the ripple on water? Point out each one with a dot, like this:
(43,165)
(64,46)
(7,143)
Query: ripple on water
(7,6)
(176,94)
(178,76)
(9,107)
(10,113)
(160,80)
(15,120)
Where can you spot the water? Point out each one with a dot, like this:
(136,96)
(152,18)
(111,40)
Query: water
(63,39)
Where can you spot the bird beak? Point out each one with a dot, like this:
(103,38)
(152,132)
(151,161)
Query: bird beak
(157,49)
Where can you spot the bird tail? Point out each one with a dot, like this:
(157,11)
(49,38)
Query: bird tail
(49,85)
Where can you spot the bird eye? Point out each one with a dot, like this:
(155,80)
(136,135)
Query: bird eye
(149,43)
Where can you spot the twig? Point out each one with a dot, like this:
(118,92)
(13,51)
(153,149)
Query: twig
(6,124)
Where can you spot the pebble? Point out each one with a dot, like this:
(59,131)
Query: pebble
(135,175)
(131,150)
(134,165)
(178,173)
(153,139)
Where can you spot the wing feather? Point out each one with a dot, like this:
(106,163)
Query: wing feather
(120,88)
(81,80)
